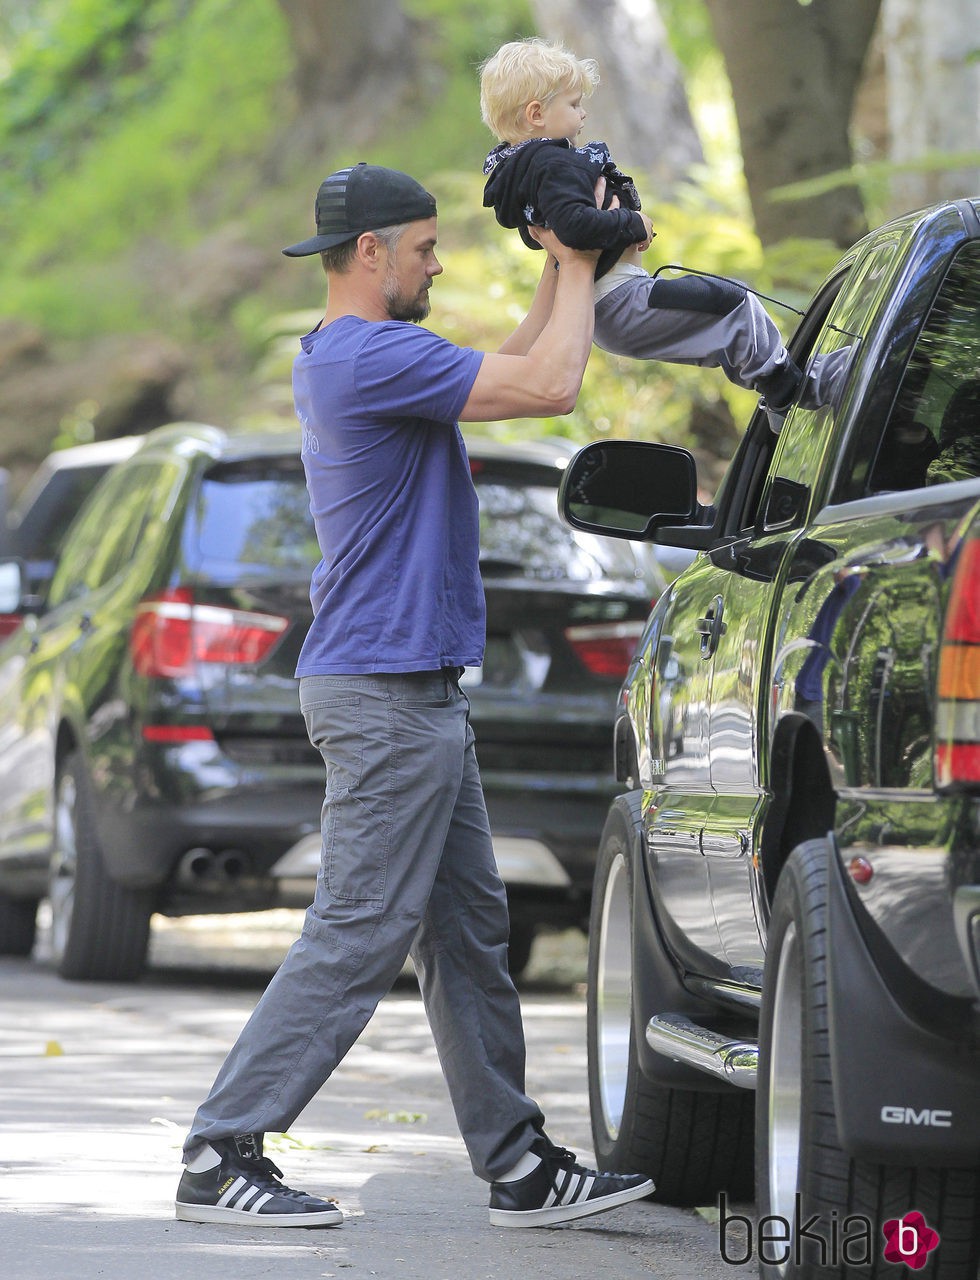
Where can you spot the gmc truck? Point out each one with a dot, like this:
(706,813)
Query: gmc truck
(784,969)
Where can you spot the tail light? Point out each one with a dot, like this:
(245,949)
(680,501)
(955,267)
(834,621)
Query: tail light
(605,648)
(9,623)
(957,751)
(172,634)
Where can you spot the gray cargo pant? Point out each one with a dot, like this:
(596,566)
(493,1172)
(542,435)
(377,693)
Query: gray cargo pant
(694,320)
(407,866)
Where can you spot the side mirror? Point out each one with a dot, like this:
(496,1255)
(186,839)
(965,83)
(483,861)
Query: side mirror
(629,489)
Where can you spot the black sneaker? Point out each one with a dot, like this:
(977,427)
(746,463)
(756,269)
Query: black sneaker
(245,1188)
(559,1190)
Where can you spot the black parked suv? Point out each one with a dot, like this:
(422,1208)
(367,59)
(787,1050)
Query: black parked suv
(786,916)
(154,757)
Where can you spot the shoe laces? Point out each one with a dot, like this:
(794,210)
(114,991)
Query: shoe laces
(268,1176)
(557,1158)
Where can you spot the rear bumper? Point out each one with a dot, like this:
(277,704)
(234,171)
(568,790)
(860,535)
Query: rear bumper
(192,797)
(563,814)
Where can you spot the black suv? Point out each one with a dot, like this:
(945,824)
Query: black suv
(786,917)
(154,757)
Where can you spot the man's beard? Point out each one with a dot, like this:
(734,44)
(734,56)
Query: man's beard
(401,308)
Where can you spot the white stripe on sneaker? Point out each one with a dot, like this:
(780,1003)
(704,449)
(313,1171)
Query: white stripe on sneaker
(573,1193)
(232,1191)
(247,1197)
(260,1202)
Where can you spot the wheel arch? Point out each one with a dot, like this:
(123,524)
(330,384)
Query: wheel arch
(66,741)
(658,985)
(803,797)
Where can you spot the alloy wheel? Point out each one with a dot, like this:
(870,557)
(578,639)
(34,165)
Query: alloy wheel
(64,865)
(614,996)
(785,1076)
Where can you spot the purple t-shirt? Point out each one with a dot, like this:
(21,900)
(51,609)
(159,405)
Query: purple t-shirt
(396,513)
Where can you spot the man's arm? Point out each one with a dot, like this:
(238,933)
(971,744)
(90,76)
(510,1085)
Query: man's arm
(527,332)
(545,380)
(539,313)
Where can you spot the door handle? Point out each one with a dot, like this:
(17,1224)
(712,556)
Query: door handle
(711,627)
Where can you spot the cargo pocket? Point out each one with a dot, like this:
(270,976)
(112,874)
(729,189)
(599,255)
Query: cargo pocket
(355,840)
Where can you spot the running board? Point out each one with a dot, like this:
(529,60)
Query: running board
(677,1037)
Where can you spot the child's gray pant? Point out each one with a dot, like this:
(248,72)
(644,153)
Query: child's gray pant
(691,321)
(407,866)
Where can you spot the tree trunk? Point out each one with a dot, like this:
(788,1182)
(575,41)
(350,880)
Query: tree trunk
(357,64)
(794,71)
(640,107)
(933,94)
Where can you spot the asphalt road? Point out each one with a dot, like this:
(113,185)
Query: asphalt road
(99,1082)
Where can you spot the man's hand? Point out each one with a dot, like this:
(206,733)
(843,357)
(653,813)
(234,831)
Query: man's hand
(547,239)
(643,245)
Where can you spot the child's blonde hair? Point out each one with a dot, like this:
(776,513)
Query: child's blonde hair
(531,70)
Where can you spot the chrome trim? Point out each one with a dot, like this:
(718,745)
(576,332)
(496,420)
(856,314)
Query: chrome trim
(677,1037)
(726,993)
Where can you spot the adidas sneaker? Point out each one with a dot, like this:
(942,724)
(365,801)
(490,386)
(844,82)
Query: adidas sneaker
(559,1190)
(246,1188)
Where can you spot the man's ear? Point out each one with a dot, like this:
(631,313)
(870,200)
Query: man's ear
(369,249)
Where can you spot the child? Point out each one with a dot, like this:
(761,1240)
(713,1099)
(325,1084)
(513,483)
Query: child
(531,99)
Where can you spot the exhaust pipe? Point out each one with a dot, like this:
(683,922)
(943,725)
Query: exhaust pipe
(230,864)
(205,869)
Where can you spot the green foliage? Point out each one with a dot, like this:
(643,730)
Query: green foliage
(873,178)
(115,119)
(130,128)
(451,133)
(689,30)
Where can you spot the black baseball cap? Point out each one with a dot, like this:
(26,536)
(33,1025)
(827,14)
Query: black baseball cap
(363,198)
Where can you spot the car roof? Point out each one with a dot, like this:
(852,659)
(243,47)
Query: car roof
(94,454)
(100,453)
(239,444)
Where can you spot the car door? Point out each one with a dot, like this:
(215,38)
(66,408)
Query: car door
(771,556)
(682,795)
(720,632)
(45,677)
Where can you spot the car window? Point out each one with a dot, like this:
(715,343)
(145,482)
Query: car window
(121,523)
(520,530)
(40,527)
(933,432)
(255,513)
(848,305)
(775,455)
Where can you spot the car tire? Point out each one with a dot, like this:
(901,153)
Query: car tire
(797,1152)
(18,925)
(693,1144)
(99,929)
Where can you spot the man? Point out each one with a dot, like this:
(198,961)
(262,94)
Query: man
(407,861)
